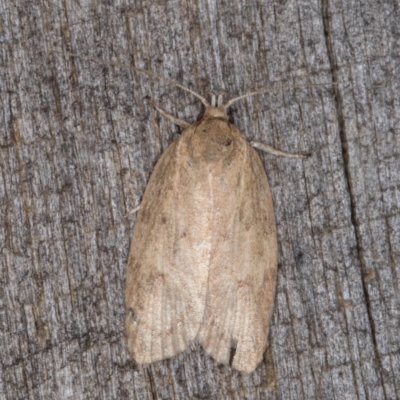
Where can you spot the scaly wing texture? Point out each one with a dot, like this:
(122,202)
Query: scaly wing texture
(242,270)
(168,261)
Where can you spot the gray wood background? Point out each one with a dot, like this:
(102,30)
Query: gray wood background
(78,141)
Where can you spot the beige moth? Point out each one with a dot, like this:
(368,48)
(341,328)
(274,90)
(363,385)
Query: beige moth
(203,258)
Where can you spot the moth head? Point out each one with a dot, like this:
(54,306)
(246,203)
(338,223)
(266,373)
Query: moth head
(215,112)
(216,109)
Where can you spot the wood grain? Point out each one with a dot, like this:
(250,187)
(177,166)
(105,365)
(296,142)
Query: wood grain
(78,141)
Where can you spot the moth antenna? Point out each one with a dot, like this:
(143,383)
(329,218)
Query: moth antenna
(275,89)
(143,71)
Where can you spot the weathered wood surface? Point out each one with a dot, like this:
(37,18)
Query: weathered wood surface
(79,140)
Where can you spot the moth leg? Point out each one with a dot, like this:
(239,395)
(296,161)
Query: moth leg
(134,210)
(271,150)
(175,120)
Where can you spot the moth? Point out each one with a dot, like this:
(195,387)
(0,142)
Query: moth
(203,258)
